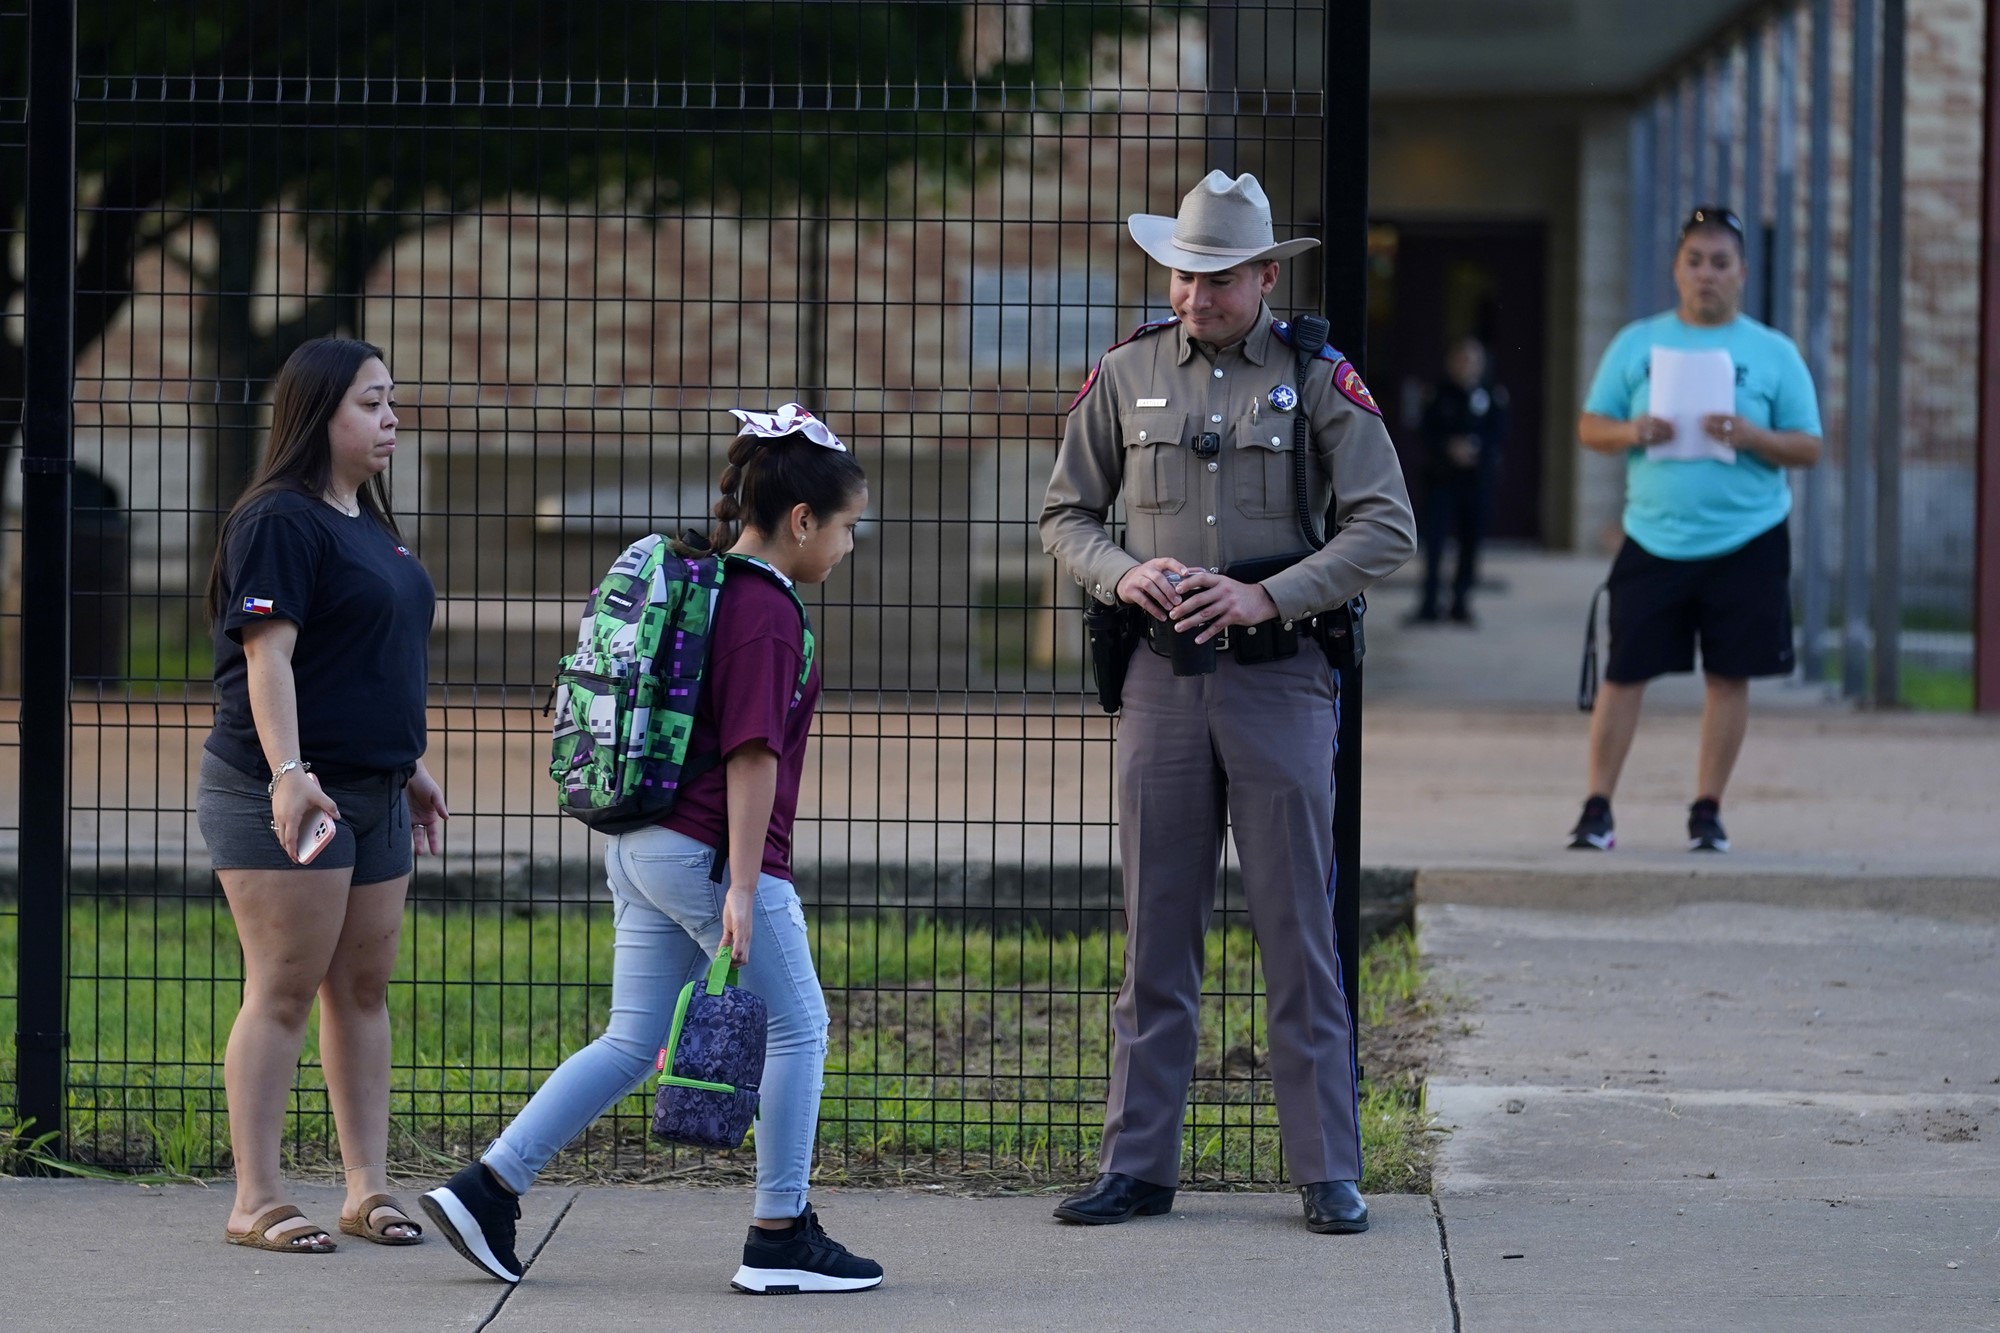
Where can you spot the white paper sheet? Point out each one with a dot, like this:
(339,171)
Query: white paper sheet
(1687,386)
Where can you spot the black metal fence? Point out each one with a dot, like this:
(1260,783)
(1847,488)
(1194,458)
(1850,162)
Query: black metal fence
(581,232)
(13,172)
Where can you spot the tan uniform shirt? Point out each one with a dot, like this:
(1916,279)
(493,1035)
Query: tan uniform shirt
(1134,430)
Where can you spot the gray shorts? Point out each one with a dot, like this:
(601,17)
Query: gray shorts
(372,834)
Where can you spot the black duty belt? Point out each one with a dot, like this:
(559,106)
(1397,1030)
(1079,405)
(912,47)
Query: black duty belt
(1266,641)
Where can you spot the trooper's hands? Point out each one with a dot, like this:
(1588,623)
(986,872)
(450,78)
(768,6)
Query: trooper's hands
(739,908)
(1651,430)
(1212,602)
(1146,586)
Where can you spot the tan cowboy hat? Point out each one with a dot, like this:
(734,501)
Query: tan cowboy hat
(1222,223)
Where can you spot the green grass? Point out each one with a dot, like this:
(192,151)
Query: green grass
(1926,689)
(167,643)
(1931,690)
(955,1053)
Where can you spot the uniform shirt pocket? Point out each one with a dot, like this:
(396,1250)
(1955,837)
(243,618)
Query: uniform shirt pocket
(1262,462)
(1156,461)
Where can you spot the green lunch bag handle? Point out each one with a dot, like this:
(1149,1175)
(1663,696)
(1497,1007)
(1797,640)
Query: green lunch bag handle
(721,972)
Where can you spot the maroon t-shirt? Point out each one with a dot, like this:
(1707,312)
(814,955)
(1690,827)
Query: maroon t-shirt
(750,692)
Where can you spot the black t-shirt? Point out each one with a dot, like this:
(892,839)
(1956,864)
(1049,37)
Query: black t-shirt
(363,606)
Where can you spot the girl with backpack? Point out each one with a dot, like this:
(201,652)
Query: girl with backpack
(791,497)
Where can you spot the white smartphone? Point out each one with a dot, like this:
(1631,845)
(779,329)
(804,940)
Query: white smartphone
(316,834)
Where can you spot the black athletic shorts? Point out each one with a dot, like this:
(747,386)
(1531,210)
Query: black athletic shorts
(1738,605)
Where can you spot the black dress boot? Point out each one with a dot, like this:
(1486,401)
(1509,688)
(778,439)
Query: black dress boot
(1116,1198)
(1335,1207)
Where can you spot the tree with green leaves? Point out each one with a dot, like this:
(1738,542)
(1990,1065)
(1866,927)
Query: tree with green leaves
(369,118)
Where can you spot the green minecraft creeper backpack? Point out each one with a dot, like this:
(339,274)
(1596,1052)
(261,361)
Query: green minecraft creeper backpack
(624,701)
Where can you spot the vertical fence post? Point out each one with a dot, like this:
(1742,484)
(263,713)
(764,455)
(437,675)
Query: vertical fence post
(1815,594)
(1886,606)
(1723,127)
(1785,178)
(1783,307)
(1642,213)
(1698,133)
(1854,524)
(1667,204)
(1986,541)
(46,461)
(1756,281)
(1344,184)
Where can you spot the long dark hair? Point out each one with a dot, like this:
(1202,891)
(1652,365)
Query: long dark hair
(766,477)
(299,457)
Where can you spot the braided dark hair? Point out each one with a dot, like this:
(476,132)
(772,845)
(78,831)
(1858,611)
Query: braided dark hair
(765,478)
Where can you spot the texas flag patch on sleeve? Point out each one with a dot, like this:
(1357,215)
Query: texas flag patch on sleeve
(258,606)
(1348,380)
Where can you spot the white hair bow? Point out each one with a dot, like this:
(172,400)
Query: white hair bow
(791,419)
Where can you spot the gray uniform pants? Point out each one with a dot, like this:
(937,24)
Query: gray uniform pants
(1255,743)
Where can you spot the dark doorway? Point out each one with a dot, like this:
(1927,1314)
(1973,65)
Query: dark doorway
(1432,282)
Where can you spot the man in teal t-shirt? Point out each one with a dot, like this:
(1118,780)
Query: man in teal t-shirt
(1707,557)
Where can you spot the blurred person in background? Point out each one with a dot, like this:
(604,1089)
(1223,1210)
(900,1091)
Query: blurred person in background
(1707,557)
(1464,431)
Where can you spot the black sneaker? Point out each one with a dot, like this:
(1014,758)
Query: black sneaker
(477,1216)
(1705,827)
(804,1258)
(1593,828)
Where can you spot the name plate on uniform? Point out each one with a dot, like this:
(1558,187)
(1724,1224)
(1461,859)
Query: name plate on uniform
(1152,402)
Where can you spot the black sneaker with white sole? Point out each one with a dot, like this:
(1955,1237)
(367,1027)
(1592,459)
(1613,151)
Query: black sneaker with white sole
(1705,832)
(477,1216)
(1593,831)
(801,1259)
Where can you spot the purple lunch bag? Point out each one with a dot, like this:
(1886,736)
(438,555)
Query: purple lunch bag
(713,1062)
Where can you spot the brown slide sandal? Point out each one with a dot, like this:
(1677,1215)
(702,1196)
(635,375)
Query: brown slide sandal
(364,1225)
(258,1237)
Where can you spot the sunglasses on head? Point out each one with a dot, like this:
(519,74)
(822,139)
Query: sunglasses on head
(1712,217)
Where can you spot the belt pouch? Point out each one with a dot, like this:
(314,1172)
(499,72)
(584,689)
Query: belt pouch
(1267,641)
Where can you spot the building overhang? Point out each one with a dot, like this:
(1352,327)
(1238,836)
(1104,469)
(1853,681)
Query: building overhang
(1560,48)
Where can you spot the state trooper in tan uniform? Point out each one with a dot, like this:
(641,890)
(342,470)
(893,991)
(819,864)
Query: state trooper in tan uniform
(1192,421)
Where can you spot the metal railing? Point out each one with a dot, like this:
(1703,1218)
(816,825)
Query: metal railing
(580,233)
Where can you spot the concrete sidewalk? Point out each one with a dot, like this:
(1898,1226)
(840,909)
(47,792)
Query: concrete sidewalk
(1759,1091)
(88,1255)
(1719,1115)
(1755,1091)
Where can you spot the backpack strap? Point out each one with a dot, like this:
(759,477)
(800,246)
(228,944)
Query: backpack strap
(808,647)
(1308,338)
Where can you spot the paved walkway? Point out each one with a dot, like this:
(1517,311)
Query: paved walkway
(1716,1115)
(1759,1091)
(83,1255)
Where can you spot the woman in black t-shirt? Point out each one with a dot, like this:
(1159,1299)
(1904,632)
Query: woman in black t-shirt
(313,791)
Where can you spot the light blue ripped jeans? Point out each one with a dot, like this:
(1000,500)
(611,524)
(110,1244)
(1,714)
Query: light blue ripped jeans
(668,914)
